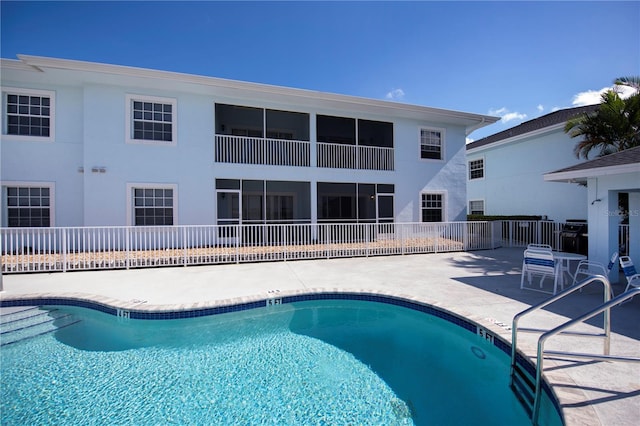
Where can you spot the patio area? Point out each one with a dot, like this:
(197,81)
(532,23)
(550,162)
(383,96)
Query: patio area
(483,286)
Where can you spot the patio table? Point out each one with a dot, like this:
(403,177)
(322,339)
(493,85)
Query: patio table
(564,264)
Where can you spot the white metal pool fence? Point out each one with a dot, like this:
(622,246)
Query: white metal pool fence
(120,247)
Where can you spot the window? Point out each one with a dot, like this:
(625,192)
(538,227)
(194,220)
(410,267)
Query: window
(432,207)
(29,114)
(280,207)
(287,125)
(350,202)
(476,169)
(153,205)
(29,206)
(375,133)
(151,120)
(339,130)
(239,121)
(476,207)
(267,201)
(431,144)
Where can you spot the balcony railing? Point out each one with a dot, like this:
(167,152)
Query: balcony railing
(283,152)
(340,156)
(275,152)
(68,249)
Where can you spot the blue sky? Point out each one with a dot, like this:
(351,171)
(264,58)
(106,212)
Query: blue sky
(517,60)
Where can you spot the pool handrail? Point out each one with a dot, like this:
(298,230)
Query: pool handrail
(514,332)
(606,357)
(603,308)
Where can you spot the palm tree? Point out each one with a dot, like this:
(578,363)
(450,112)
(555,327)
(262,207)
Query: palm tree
(628,81)
(613,127)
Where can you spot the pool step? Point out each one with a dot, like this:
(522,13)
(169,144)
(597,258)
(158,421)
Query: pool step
(524,388)
(21,324)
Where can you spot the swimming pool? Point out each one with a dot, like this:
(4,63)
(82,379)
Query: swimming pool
(334,359)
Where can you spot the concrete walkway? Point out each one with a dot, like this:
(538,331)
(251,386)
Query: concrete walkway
(482,286)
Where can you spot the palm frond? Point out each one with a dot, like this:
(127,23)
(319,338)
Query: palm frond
(633,81)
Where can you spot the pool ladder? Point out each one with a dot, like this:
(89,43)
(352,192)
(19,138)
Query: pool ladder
(528,387)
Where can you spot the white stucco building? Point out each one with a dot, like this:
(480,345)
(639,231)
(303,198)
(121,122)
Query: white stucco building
(606,179)
(88,144)
(505,170)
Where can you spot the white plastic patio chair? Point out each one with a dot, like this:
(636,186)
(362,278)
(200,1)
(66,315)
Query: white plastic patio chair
(545,247)
(633,277)
(542,264)
(589,268)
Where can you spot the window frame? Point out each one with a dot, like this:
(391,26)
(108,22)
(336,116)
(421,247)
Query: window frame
(442,132)
(470,211)
(130,99)
(443,208)
(470,170)
(29,92)
(131,187)
(28,184)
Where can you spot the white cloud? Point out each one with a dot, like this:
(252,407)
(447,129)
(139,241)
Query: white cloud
(540,108)
(507,115)
(592,97)
(469,140)
(513,116)
(395,94)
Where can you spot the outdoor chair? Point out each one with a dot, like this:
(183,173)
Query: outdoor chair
(542,264)
(589,268)
(545,247)
(633,277)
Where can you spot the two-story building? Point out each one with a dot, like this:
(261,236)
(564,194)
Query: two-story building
(89,144)
(505,170)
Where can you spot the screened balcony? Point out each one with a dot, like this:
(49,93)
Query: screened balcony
(347,143)
(248,135)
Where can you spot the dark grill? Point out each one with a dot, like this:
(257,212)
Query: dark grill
(574,238)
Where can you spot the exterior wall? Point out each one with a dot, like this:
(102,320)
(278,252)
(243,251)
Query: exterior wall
(53,162)
(91,118)
(513,181)
(604,216)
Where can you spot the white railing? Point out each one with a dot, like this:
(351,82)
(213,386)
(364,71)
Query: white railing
(67,249)
(337,156)
(520,233)
(340,156)
(82,248)
(282,152)
(375,158)
(275,152)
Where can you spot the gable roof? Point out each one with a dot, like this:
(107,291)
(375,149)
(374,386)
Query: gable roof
(547,120)
(627,161)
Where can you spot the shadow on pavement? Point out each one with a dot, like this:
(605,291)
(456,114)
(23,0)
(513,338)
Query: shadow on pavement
(498,271)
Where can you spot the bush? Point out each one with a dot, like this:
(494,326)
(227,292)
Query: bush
(480,217)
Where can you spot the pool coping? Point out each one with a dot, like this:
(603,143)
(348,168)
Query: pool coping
(563,390)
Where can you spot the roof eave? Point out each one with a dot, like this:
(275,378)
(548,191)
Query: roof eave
(535,133)
(581,176)
(470,121)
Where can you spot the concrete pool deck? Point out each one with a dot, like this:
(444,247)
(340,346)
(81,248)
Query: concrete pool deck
(483,286)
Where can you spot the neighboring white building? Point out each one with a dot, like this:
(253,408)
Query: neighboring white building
(505,171)
(87,144)
(606,178)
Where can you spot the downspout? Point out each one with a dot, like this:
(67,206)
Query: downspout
(471,129)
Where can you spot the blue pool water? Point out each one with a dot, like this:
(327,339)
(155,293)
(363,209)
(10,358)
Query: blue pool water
(314,362)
